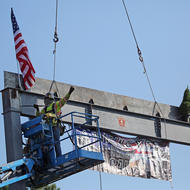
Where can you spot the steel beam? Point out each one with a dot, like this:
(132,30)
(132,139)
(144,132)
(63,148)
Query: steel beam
(112,119)
(117,113)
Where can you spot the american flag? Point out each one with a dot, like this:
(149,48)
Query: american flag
(22,55)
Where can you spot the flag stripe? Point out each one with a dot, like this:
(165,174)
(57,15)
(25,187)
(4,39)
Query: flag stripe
(21,49)
(19,44)
(17,38)
(29,62)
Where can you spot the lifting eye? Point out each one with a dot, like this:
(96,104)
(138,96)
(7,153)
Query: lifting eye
(91,101)
(125,108)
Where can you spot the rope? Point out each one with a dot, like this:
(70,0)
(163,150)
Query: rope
(100,178)
(100,174)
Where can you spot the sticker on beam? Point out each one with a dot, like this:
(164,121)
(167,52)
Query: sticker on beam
(121,122)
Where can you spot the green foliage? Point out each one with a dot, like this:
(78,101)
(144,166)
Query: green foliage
(48,187)
(184,108)
(5,188)
(186,96)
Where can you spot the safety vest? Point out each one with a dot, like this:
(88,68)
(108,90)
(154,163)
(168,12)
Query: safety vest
(53,111)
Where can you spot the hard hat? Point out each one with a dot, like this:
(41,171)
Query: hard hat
(48,99)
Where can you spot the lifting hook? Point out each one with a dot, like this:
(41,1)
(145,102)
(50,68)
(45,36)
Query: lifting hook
(55,39)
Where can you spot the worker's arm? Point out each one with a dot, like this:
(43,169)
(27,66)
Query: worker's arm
(62,101)
(38,112)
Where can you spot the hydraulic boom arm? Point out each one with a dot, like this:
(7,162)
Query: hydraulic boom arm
(16,171)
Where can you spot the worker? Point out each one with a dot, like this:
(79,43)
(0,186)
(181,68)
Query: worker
(52,111)
(184,108)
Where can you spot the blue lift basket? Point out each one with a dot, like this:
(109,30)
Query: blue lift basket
(45,167)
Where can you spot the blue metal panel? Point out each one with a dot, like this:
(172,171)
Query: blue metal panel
(32,127)
(91,155)
(81,154)
(33,131)
(66,158)
(30,123)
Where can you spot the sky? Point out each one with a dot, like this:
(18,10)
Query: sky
(96,50)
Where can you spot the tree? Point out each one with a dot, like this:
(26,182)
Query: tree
(184,108)
(48,187)
(5,188)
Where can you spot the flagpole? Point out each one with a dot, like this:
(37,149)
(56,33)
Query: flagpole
(19,80)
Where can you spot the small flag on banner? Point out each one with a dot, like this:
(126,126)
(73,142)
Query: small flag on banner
(22,55)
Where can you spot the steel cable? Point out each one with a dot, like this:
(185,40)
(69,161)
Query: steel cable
(142,61)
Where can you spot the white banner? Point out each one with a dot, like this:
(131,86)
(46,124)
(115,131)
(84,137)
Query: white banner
(138,157)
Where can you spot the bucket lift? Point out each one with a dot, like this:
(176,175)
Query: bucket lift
(40,165)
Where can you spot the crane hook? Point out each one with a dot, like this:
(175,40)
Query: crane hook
(55,39)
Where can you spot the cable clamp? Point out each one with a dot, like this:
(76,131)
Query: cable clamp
(140,54)
(141,59)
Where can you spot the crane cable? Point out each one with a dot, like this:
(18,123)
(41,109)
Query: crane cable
(55,40)
(142,60)
(138,50)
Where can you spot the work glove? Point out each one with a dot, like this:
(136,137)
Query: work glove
(36,107)
(55,94)
(71,89)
